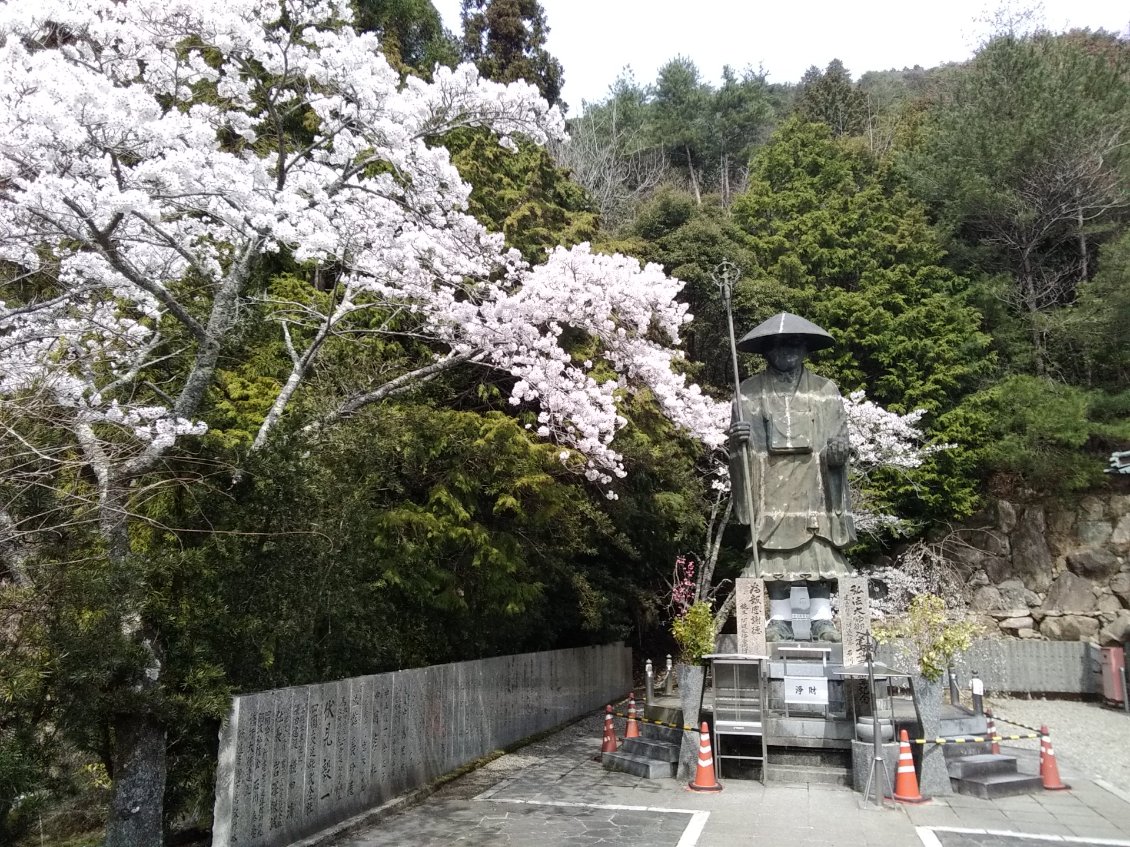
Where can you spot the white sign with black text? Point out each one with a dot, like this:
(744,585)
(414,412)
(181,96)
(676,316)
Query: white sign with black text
(806,689)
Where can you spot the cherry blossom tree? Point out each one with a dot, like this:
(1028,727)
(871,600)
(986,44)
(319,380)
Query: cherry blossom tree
(157,155)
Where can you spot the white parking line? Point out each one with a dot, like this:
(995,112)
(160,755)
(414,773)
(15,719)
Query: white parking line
(929,839)
(689,838)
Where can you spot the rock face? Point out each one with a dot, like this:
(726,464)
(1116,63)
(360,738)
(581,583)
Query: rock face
(1120,587)
(1016,596)
(1031,557)
(1118,630)
(1068,627)
(1051,570)
(1093,563)
(1070,593)
(987,598)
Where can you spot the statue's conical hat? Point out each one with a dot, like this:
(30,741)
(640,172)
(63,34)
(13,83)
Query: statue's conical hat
(760,338)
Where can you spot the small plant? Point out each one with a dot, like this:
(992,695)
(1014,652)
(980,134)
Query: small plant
(692,618)
(931,638)
(694,632)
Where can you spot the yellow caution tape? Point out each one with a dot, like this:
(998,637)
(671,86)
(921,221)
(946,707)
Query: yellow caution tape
(658,723)
(1035,729)
(975,739)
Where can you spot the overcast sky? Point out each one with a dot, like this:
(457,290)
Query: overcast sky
(595,40)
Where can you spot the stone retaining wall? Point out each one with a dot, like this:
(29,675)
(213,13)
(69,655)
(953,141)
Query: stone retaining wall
(1049,571)
(294,761)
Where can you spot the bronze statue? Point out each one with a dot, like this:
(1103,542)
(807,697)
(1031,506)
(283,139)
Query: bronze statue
(789,445)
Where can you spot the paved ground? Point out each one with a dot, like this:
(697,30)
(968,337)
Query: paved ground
(554,794)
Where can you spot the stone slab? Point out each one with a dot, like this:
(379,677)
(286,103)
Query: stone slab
(981,764)
(651,748)
(751,615)
(638,765)
(855,618)
(998,785)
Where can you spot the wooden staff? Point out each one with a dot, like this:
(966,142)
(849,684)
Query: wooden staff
(724,276)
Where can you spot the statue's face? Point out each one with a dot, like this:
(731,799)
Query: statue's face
(786,354)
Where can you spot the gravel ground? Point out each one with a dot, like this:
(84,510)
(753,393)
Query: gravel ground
(1090,739)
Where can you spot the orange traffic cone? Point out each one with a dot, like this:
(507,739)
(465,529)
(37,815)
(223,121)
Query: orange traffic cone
(633,730)
(906,783)
(1049,770)
(608,743)
(991,731)
(704,779)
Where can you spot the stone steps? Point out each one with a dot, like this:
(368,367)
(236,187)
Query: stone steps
(990,775)
(655,753)
(997,785)
(638,765)
(982,764)
(652,748)
(805,775)
(807,765)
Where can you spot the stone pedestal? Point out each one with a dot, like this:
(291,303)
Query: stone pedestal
(934,780)
(751,615)
(862,757)
(855,618)
(691,681)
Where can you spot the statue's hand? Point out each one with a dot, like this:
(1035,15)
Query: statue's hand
(740,433)
(837,451)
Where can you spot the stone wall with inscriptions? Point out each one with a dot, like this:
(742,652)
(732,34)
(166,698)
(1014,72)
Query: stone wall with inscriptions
(297,760)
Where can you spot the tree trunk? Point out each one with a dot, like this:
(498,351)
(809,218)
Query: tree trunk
(137,793)
(1083,268)
(725,164)
(1029,298)
(694,179)
(137,802)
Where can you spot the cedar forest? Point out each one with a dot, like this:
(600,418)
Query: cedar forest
(321,353)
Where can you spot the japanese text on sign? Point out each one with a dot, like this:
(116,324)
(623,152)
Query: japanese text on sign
(806,689)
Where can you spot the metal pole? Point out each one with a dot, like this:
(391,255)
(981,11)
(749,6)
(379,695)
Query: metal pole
(977,692)
(650,694)
(725,275)
(878,763)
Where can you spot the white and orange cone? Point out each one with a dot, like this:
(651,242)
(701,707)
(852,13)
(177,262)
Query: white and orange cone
(608,742)
(633,730)
(704,778)
(1049,770)
(906,783)
(991,731)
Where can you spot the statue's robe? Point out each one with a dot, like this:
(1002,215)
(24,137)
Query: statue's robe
(802,513)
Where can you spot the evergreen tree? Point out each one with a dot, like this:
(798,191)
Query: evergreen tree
(505,39)
(412,34)
(1024,160)
(680,118)
(831,98)
(742,118)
